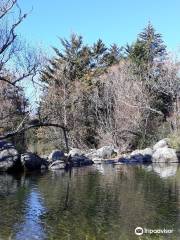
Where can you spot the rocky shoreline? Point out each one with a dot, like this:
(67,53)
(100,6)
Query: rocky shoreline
(12,161)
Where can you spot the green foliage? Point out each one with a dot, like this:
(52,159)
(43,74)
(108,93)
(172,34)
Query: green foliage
(174,140)
(115,55)
(137,53)
(148,48)
(153,43)
(152,130)
(148,54)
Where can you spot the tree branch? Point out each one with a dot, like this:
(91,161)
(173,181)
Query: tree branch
(4,10)
(22,130)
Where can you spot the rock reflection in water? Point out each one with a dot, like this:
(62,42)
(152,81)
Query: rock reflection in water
(164,170)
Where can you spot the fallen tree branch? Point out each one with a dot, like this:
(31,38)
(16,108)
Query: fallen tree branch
(24,129)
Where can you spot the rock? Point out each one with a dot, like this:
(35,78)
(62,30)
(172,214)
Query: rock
(110,161)
(75,152)
(92,154)
(105,152)
(32,162)
(161,144)
(78,161)
(164,154)
(9,157)
(56,155)
(102,153)
(57,165)
(124,160)
(140,158)
(97,160)
(136,159)
(178,155)
(146,151)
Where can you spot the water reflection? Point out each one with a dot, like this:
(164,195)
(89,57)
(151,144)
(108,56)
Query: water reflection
(164,170)
(94,203)
(31,226)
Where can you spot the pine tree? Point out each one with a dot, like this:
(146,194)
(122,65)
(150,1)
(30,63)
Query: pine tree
(114,54)
(148,49)
(155,49)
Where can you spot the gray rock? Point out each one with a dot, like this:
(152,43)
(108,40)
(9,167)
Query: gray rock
(164,154)
(32,162)
(136,159)
(102,153)
(57,165)
(9,157)
(56,155)
(105,152)
(161,144)
(75,152)
(78,161)
(97,160)
(146,151)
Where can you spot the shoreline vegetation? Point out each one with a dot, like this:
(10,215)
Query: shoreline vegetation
(90,97)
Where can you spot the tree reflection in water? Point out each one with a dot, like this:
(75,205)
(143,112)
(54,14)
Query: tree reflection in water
(93,203)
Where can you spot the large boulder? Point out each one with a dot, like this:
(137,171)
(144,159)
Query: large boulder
(9,157)
(32,162)
(161,144)
(164,154)
(56,155)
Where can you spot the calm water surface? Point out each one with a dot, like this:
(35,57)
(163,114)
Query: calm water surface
(100,202)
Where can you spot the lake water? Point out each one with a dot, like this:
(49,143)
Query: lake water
(101,202)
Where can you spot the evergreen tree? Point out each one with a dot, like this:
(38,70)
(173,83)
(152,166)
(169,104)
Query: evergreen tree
(99,54)
(154,47)
(148,49)
(74,59)
(114,55)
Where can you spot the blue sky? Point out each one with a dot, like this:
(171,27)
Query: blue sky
(114,21)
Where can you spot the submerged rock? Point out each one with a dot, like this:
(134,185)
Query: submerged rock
(9,157)
(32,162)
